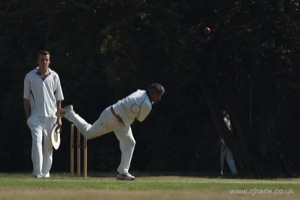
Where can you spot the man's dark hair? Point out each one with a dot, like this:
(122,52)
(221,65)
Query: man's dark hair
(157,88)
(43,52)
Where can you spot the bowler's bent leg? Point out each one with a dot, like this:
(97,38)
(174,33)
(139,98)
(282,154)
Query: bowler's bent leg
(104,124)
(79,122)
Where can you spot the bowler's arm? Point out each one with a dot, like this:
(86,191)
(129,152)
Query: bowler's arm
(144,113)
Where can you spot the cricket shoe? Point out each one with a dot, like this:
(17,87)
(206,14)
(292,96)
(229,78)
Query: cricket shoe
(37,176)
(63,111)
(125,177)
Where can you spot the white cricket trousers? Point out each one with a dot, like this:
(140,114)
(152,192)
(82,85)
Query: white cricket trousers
(227,154)
(106,123)
(42,149)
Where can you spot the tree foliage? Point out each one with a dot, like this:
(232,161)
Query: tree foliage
(105,49)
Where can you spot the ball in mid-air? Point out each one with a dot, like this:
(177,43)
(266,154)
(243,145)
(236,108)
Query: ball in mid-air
(207,30)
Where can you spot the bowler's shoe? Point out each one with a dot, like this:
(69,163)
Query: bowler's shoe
(126,177)
(62,112)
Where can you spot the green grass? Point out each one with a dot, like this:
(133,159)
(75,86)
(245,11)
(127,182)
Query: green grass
(63,181)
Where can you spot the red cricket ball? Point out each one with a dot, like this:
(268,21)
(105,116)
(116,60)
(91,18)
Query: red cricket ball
(206,30)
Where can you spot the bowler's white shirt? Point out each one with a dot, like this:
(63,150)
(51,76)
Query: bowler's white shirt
(135,106)
(42,94)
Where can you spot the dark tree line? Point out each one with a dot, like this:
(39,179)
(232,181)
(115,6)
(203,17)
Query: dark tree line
(105,49)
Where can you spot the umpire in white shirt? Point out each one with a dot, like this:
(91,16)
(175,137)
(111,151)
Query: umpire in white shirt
(117,118)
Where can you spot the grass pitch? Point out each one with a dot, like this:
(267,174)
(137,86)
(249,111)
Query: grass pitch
(61,186)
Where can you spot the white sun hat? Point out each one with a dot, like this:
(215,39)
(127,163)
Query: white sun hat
(55,137)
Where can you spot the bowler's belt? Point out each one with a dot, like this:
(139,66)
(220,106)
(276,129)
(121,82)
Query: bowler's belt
(115,114)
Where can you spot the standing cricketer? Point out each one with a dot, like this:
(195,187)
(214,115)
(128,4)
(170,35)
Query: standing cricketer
(42,98)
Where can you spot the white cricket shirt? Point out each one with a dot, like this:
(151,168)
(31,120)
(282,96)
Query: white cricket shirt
(42,93)
(227,122)
(135,106)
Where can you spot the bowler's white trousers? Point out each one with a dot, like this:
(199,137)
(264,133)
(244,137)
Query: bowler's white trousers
(106,123)
(42,149)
